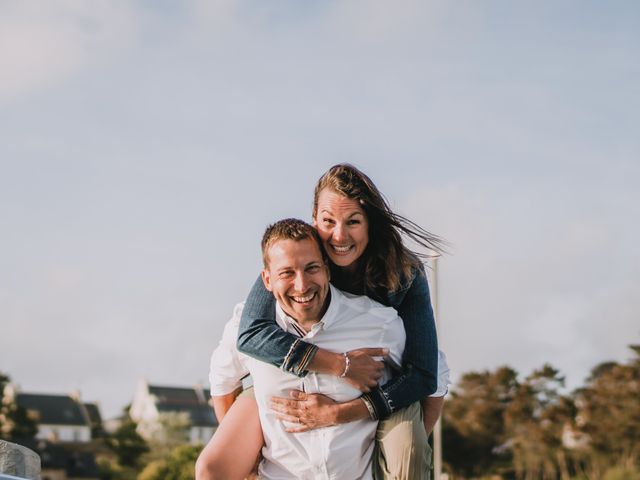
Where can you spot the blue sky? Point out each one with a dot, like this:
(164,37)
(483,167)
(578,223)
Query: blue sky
(144,147)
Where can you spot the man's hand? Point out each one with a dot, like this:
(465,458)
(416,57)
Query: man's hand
(364,370)
(306,410)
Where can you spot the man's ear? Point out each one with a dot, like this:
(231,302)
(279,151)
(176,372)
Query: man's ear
(266,279)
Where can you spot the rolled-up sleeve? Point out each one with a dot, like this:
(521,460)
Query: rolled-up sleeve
(228,366)
(443,376)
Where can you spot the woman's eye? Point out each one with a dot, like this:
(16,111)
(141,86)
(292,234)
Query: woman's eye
(353,222)
(327,221)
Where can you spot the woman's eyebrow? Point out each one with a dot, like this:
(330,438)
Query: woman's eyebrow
(355,212)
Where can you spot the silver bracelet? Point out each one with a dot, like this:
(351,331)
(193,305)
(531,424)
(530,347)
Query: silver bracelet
(347,364)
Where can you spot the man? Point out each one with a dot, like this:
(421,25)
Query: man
(291,246)
(307,305)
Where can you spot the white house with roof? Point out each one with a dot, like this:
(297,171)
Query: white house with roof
(60,418)
(152,405)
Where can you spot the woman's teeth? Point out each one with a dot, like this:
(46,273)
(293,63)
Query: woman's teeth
(341,249)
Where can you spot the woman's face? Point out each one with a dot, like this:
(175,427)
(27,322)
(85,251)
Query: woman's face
(343,227)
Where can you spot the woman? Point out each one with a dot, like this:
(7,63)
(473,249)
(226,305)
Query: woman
(362,237)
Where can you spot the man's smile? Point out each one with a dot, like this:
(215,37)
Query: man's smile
(304,299)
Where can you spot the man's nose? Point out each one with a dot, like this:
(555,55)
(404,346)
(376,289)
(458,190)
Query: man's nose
(301,282)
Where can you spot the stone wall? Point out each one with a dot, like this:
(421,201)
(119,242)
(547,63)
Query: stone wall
(19,461)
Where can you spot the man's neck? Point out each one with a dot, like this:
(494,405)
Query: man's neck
(308,325)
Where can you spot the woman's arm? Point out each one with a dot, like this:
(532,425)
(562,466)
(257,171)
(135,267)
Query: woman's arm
(418,377)
(308,411)
(261,337)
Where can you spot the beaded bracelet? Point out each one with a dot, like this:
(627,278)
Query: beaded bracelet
(347,364)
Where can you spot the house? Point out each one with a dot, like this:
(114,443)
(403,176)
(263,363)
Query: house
(154,406)
(60,418)
(66,427)
(64,461)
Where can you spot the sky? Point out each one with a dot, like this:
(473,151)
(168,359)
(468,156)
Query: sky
(145,146)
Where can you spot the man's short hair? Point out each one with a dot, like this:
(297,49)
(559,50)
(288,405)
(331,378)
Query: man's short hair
(289,229)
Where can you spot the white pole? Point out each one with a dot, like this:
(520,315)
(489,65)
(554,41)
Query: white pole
(437,429)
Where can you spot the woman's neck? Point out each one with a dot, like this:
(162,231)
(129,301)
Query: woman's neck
(350,279)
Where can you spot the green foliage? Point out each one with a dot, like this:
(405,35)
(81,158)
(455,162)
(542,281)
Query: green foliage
(179,465)
(497,425)
(5,426)
(127,444)
(110,470)
(172,431)
(609,414)
(622,473)
(473,428)
(15,422)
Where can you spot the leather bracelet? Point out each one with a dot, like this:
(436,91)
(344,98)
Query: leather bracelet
(347,364)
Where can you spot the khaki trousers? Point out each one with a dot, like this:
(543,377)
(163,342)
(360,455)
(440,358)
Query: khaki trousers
(402,450)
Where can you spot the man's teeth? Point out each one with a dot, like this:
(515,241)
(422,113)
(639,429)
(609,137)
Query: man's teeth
(341,249)
(306,299)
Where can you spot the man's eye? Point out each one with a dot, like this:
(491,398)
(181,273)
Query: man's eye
(313,269)
(285,274)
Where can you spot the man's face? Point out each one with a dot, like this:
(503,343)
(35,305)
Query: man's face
(298,278)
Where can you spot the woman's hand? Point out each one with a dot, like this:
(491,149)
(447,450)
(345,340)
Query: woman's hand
(364,370)
(306,410)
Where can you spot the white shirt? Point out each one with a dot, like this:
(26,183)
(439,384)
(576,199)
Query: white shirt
(337,452)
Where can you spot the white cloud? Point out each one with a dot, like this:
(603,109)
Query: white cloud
(43,43)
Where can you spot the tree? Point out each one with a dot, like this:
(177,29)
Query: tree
(127,444)
(609,413)
(179,465)
(5,426)
(172,431)
(473,427)
(15,422)
(534,420)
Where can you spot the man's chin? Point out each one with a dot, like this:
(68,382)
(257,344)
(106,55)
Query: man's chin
(302,315)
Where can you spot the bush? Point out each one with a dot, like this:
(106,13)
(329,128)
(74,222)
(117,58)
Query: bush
(622,473)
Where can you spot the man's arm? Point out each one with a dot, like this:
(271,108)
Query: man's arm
(432,406)
(227,367)
(222,403)
(431,410)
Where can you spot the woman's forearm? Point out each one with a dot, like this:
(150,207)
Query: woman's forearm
(352,411)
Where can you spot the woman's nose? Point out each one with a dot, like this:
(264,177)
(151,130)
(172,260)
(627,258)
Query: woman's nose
(339,233)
